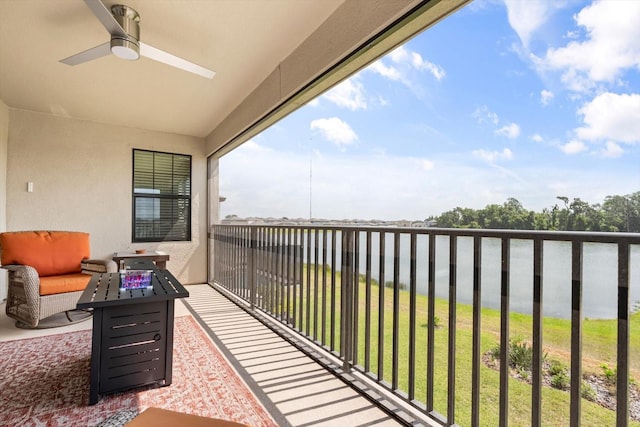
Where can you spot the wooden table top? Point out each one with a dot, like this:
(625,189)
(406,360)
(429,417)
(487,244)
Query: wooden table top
(160,256)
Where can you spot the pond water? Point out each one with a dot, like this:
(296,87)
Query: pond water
(600,291)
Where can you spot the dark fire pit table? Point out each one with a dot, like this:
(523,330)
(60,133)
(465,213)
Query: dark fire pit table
(132,342)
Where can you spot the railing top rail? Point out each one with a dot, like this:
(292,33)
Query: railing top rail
(568,236)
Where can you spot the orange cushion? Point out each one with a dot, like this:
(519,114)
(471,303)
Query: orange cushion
(65,283)
(49,252)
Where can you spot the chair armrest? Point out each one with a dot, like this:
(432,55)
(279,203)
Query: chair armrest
(23,272)
(91,266)
(23,297)
(25,277)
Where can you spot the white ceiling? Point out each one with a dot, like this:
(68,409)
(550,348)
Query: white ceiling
(241,40)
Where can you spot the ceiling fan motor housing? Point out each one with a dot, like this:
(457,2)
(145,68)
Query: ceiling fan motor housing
(126,47)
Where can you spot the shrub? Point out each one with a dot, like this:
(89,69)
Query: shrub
(610,375)
(495,352)
(588,392)
(362,278)
(520,354)
(560,380)
(401,286)
(523,373)
(556,367)
(436,323)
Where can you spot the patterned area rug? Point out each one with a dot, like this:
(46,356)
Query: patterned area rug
(45,382)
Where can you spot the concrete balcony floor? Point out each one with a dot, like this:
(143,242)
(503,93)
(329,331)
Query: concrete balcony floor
(293,387)
(296,390)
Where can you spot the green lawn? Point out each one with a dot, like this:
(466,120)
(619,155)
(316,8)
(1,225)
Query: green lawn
(599,346)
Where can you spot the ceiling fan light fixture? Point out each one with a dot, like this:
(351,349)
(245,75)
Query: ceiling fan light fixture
(125,49)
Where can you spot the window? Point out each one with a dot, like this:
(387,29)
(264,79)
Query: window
(161,196)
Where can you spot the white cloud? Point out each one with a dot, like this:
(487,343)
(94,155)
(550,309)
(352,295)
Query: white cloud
(422,64)
(406,61)
(511,131)
(546,96)
(526,17)
(427,164)
(387,71)
(348,94)
(611,150)
(492,156)
(536,138)
(314,102)
(571,34)
(573,147)
(253,146)
(611,116)
(483,115)
(612,45)
(335,130)
(437,71)
(381,101)
(399,55)
(404,56)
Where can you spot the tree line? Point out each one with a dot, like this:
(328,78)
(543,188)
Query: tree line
(615,213)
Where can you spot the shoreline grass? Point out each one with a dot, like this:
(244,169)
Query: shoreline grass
(599,346)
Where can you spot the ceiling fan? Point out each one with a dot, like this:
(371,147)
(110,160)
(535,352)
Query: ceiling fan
(123,23)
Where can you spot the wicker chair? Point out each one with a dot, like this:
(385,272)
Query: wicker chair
(48,270)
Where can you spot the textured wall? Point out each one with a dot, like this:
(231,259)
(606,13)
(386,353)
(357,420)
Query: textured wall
(81,173)
(4,135)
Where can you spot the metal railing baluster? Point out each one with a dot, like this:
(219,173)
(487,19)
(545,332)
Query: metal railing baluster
(576,334)
(536,369)
(346,296)
(279,275)
(367,320)
(316,278)
(252,267)
(412,317)
(504,333)
(332,345)
(477,318)
(381,308)
(289,281)
(451,359)
(307,323)
(356,295)
(622,370)
(323,332)
(431,309)
(395,316)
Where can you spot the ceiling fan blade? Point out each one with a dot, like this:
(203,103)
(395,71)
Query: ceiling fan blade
(99,51)
(169,59)
(105,16)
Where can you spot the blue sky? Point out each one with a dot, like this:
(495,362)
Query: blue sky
(514,98)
